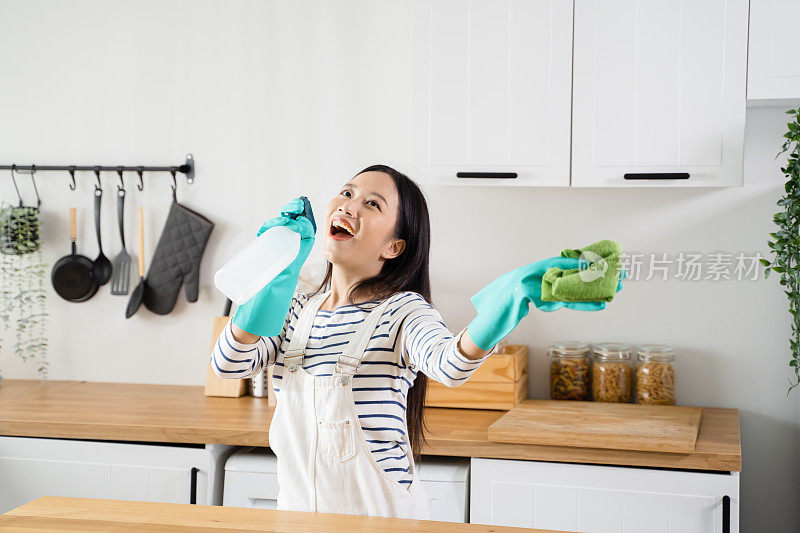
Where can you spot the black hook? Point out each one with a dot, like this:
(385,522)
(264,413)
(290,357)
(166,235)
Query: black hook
(174,186)
(140,171)
(38,201)
(121,186)
(99,186)
(72,176)
(13,168)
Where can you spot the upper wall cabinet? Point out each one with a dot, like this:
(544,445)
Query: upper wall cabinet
(774,68)
(491,91)
(659,92)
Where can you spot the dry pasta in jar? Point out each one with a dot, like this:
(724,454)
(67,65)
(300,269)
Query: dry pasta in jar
(570,371)
(612,374)
(655,375)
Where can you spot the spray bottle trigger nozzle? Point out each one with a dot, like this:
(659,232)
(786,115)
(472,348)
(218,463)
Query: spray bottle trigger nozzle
(307,212)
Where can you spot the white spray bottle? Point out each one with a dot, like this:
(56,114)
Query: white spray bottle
(259,262)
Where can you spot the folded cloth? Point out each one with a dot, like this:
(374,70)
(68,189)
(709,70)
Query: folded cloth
(505,301)
(598,283)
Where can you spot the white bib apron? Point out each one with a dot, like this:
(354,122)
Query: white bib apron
(324,463)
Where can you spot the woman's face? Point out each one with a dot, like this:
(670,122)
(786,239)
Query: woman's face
(368,204)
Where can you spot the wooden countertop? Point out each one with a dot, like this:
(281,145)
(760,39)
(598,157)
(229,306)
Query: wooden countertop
(52,513)
(183,414)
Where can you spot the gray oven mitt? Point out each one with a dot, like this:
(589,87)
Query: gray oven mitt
(176,259)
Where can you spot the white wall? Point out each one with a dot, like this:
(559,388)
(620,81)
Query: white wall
(278,99)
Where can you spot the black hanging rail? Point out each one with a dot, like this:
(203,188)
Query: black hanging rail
(186,168)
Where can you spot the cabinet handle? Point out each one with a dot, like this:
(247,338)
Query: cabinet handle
(657,176)
(486,174)
(726,514)
(193,488)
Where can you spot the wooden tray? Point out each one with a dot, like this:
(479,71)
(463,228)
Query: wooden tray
(653,428)
(497,396)
(500,383)
(507,366)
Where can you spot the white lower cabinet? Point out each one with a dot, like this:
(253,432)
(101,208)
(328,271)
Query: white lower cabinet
(251,480)
(602,499)
(33,467)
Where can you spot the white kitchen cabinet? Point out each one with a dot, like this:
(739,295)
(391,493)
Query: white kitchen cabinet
(659,92)
(602,499)
(33,467)
(773,68)
(491,91)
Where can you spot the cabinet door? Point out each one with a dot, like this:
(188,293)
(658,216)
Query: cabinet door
(773,70)
(659,89)
(601,499)
(34,467)
(491,90)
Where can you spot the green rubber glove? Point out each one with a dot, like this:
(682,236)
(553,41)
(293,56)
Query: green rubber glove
(505,301)
(265,313)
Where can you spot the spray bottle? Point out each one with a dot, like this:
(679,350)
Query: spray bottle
(259,262)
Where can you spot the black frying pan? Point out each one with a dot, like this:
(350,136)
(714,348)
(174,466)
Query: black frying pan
(72,274)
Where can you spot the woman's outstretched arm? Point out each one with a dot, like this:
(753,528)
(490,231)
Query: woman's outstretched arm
(427,344)
(469,349)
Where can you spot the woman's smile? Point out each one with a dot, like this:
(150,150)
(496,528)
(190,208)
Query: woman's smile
(340,229)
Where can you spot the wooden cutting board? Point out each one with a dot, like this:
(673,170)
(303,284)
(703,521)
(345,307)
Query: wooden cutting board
(215,385)
(653,428)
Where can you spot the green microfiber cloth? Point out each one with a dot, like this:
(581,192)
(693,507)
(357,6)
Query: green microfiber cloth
(575,286)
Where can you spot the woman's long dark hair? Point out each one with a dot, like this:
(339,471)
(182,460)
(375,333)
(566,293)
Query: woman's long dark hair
(409,271)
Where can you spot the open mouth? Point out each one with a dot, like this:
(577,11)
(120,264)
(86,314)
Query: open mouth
(339,231)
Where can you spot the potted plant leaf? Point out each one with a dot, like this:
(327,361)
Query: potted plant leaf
(786,244)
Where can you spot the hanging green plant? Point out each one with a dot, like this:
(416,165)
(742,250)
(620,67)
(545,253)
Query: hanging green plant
(22,282)
(786,245)
(20,230)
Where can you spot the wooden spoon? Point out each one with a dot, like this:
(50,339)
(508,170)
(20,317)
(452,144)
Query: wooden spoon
(138,292)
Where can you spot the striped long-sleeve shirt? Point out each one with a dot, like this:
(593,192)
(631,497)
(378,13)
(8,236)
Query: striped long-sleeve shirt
(410,336)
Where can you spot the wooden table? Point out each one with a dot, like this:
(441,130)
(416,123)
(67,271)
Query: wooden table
(183,414)
(51,513)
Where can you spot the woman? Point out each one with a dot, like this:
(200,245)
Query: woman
(353,358)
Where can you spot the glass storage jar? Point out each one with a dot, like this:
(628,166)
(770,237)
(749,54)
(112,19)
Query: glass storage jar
(612,374)
(655,375)
(570,371)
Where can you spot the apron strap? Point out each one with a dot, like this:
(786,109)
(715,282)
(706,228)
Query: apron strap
(293,357)
(352,355)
